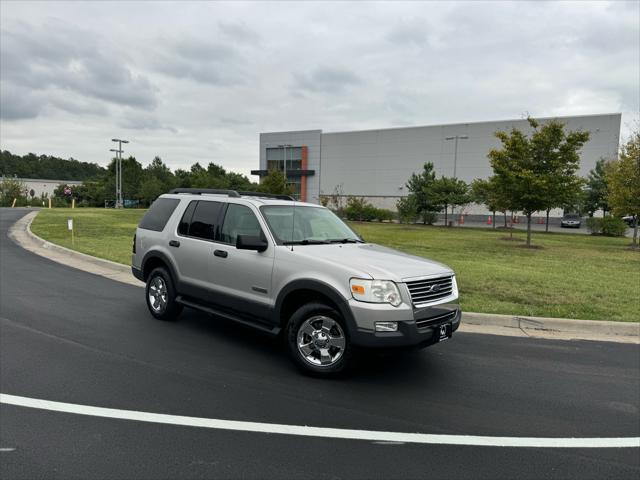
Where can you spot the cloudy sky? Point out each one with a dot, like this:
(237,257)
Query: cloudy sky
(199,81)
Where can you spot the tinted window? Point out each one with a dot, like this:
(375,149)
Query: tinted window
(239,220)
(158,214)
(183,227)
(205,220)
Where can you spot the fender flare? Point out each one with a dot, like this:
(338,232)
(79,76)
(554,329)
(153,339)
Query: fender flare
(322,288)
(165,259)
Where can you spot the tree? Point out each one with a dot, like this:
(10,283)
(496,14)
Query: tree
(623,179)
(275,182)
(528,170)
(11,189)
(596,190)
(424,196)
(450,192)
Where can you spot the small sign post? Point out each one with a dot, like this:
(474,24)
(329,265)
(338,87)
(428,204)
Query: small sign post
(70,227)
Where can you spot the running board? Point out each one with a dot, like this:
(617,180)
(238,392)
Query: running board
(187,302)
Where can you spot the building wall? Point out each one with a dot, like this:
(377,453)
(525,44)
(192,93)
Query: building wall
(379,162)
(376,164)
(41,186)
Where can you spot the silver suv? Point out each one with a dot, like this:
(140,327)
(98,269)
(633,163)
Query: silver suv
(296,268)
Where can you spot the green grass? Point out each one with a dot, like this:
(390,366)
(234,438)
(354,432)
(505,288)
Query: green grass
(99,232)
(570,276)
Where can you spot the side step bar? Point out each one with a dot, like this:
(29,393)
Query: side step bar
(187,302)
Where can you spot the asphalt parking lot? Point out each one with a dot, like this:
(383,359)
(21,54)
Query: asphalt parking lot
(73,337)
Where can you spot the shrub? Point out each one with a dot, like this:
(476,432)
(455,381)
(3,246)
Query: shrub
(429,217)
(359,209)
(407,209)
(609,226)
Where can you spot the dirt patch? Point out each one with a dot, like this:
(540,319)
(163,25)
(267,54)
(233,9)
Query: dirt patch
(512,239)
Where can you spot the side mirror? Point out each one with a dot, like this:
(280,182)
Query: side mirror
(250,242)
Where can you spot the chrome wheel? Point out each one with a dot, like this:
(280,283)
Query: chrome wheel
(158,294)
(321,341)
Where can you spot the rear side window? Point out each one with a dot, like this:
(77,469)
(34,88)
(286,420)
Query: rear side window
(183,227)
(204,222)
(158,214)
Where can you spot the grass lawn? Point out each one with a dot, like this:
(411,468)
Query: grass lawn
(571,276)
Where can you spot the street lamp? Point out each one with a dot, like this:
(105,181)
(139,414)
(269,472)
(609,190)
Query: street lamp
(455,151)
(119,202)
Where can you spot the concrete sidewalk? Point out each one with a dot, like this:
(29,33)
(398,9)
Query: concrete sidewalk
(493,324)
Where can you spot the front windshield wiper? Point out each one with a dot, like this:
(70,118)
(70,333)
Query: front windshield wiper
(307,241)
(346,240)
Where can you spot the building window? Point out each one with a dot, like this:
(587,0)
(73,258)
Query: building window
(276,160)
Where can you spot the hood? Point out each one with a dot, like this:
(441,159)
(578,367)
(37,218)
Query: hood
(379,262)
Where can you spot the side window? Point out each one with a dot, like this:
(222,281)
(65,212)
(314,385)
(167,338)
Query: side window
(183,227)
(204,221)
(158,214)
(239,220)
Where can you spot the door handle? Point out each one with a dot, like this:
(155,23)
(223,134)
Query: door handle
(174,243)
(220,253)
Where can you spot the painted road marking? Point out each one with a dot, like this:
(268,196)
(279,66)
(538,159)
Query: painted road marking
(6,449)
(342,433)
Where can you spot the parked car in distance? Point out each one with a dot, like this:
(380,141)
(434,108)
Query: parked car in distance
(571,220)
(293,268)
(630,220)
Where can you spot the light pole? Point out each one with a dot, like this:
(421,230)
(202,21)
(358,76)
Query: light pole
(455,152)
(119,202)
(117,176)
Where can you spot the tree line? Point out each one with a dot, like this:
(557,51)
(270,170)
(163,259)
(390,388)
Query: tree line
(141,185)
(47,167)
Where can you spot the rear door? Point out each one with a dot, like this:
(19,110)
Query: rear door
(193,245)
(243,277)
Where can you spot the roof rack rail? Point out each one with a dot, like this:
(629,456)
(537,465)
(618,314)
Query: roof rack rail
(200,191)
(267,195)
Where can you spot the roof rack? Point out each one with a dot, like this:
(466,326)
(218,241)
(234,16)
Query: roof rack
(275,196)
(230,193)
(200,191)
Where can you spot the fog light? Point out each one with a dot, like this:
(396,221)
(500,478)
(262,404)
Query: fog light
(386,326)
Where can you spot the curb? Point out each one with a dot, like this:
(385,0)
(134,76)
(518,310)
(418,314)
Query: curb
(495,324)
(591,328)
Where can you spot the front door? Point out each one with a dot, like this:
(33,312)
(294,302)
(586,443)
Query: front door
(243,276)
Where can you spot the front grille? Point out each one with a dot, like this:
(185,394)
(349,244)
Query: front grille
(430,290)
(445,317)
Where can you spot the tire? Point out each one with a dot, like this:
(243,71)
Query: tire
(318,340)
(160,294)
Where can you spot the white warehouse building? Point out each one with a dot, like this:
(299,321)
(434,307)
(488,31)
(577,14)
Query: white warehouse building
(376,164)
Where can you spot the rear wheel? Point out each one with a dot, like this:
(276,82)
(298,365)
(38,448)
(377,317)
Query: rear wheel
(318,340)
(161,295)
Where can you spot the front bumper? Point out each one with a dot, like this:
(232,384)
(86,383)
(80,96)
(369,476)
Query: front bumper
(416,327)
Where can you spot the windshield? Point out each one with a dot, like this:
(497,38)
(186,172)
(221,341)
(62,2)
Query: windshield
(313,225)
(572,216)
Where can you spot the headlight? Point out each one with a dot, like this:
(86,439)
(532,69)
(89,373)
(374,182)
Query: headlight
(375,291)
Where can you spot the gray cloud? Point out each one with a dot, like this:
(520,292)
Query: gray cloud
(132,120)
(58,56)
(239,32)
(325,79)
(201,60)
(18,103)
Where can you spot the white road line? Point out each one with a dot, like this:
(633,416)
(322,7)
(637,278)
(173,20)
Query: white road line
(6,449)
(369,435)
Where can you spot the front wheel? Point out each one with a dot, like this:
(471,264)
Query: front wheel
(318,340)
